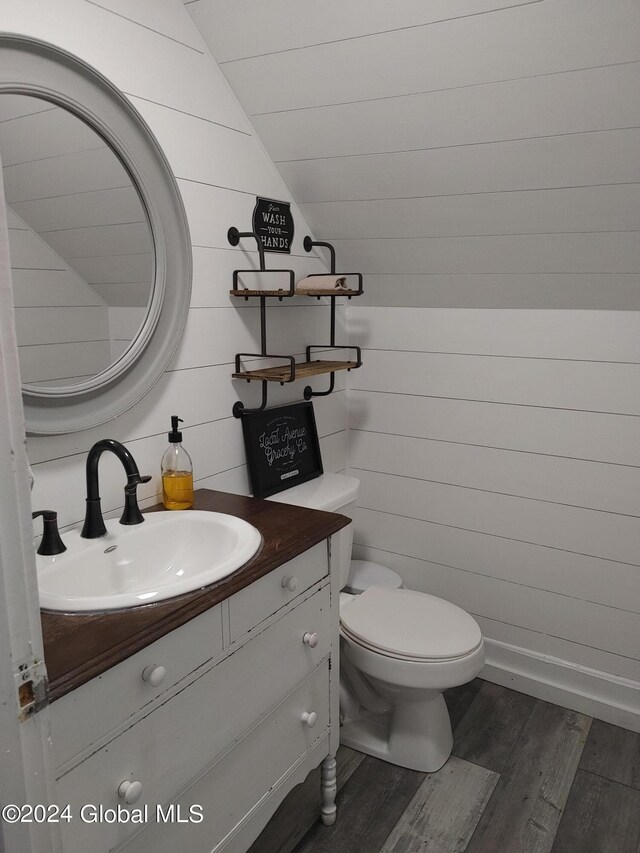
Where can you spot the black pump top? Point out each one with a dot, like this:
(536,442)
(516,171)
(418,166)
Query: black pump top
(175,436)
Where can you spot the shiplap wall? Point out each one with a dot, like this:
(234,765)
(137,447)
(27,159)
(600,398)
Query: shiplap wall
(63,180)
(445,146)
(469,159)
(66,331)
(62,324)
(124,324)
(155,55)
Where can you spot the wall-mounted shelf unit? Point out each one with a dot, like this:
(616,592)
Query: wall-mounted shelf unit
(292,370)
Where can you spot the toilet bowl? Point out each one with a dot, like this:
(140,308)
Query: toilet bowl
(400,648)
(410,647)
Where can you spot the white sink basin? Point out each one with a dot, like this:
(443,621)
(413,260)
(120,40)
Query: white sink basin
(169,554)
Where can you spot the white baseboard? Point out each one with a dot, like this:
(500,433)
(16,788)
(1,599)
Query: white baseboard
(598,694)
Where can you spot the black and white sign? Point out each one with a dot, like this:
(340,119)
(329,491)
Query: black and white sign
(282,448)
(273,223)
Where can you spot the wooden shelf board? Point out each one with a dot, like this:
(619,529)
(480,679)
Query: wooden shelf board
(243,294)
(304,369)
(328,291)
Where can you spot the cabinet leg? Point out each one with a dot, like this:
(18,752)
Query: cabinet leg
(328,784)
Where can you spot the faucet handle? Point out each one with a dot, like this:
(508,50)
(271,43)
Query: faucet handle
(51,543)
(131,513)
(134,480)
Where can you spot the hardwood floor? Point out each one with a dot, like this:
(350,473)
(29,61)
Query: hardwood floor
(525,776)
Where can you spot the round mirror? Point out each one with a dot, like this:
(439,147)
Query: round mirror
(98,240)
(80,245)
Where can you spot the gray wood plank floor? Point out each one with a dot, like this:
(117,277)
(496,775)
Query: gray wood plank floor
(525,776)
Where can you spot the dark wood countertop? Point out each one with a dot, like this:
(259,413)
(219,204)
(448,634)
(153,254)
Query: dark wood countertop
(79,646)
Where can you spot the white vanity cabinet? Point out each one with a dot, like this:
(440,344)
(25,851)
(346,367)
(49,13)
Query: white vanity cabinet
(243,704)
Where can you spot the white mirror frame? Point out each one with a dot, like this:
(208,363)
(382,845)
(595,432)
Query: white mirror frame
(30,67)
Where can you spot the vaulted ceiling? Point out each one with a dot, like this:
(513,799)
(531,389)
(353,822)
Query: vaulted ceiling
(476,153)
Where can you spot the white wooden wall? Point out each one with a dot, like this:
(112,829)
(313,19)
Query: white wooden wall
(500,463)
(62,323)
(480,165)
(62,179)
(124,324)
(155,55)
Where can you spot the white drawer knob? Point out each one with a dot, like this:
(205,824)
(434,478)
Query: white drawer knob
(154,675)
(310,718)
(311,639)
(130,792)
(290,583)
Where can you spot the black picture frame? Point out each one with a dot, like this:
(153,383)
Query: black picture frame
(282,448)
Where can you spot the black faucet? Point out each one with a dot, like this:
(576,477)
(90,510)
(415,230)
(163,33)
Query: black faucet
(93,526)
(51,543)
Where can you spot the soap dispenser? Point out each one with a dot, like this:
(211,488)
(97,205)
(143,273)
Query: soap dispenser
(177,471)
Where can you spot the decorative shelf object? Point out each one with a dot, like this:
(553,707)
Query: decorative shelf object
(308,245)
(325,291)
(292,370)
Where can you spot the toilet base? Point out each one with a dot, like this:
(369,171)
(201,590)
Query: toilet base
(416,735)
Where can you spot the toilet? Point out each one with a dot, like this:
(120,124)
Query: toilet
(399,648)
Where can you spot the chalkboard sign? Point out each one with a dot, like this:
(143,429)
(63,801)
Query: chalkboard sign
(273,223)
(282,448)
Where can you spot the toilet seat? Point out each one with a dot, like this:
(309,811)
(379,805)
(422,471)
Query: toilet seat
(400,657)
(410,626)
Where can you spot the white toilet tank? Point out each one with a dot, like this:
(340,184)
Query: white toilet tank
(331,493)
(364,574)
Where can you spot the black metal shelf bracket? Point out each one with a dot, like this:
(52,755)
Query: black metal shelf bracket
(234,236)
(308,244)
(308,391)
(239,408)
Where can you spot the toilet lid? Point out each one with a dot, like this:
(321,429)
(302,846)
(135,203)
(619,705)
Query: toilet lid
(409,624)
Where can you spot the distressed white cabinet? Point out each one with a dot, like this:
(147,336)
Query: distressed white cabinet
(201,734)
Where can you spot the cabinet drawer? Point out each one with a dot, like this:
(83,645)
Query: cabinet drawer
(178,740)
(245,775)
(253,605)
(81,717)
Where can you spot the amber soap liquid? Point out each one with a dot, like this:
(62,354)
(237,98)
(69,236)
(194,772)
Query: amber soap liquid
(177,489)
